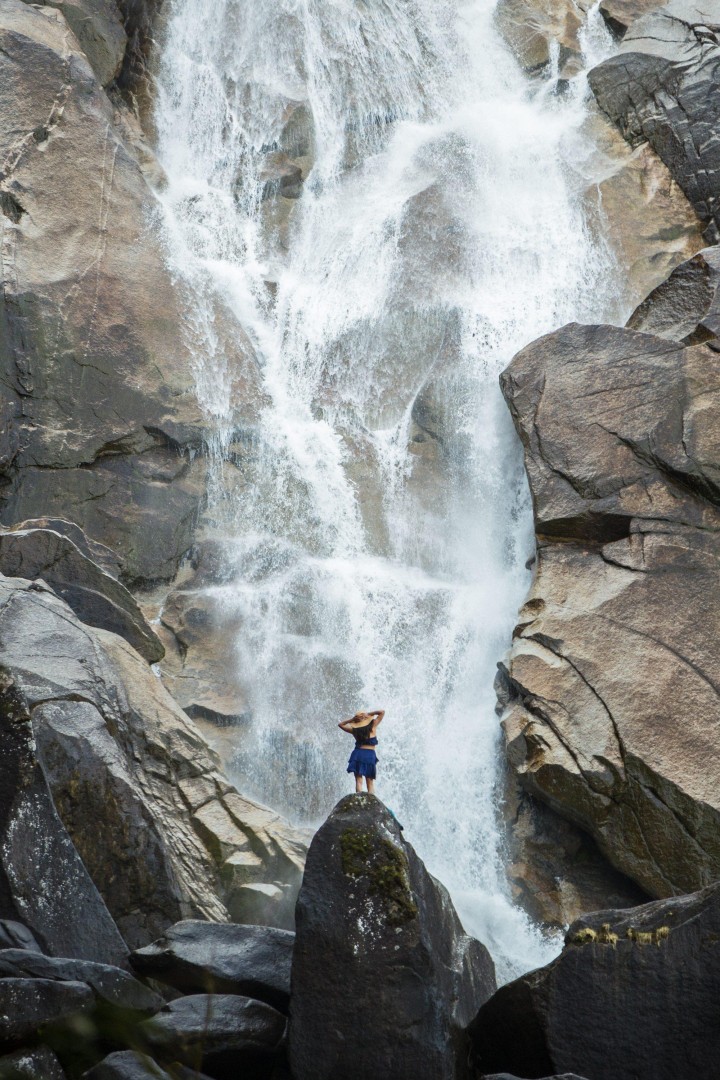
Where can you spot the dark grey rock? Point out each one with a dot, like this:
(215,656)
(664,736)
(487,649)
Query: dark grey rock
(127,1065)
(508,1076)
(95,596)
(14,935)
(663,88)
(42,878)
(222,958)
(228,1033)
(686,306)
(633,996)
(384,979)
(38,1063)
(28,1004)
(98,553)
(109,984)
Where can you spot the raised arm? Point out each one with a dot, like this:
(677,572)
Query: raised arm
(378,714)
(346,725)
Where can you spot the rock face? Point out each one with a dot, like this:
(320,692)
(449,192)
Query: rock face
(101,423)
(110,985)
(162,833)
(662,88)
(384,980)
(610,694)
(633,997)
(94,595)
(224,958)
(42,878)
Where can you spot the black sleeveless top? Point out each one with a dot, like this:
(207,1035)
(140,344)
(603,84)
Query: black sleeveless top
(362,734)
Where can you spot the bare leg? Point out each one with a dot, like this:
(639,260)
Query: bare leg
(370,785)
(358,783)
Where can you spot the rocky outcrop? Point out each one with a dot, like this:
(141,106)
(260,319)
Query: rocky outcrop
(96,597)
(228,1035)
(555,869)
(685,307)
(101,423)
(38,1063)
(162,833)
(131,1065)
(378,938)
(610,693)
(633,996)
(662,88)
(224,958)
(42,879)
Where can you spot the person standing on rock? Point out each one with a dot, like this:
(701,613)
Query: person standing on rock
(363,760)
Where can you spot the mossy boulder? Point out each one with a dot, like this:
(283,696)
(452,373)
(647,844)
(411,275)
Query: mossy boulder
(384,978)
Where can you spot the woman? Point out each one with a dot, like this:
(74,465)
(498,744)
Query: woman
(363,759)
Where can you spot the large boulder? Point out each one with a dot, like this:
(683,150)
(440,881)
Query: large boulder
(29,1004)
(161,831)
(662,88)
(131,1065)
(224,958)
(384,979)
(610,692)
(229,1034)
(101,422)
(110,985)
(98,27)
(43,881)
(633,996)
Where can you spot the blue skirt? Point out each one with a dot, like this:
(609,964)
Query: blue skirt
(363,762)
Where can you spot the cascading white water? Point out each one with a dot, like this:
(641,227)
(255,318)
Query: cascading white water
(381,535)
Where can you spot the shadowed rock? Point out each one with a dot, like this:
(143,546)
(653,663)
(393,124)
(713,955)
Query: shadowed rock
(130,1065)
(28,1004)
(38,1063)
(633,996)
(225,958)
(230,1035)
(42,878)
(109,984)
(611,693)
(384,979)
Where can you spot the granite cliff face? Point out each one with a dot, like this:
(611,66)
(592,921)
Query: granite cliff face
(609,696)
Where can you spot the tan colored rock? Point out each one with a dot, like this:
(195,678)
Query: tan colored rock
(641,211)
(161,831)
(100,33)
(533,27)
(102,422)
(610,694)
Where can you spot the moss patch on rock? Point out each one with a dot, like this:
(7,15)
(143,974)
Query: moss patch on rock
(386,868)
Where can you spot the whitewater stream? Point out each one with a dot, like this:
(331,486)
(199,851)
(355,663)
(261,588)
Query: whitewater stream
(388,209)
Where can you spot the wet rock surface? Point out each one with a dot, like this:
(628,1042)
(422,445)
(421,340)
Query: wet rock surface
(378,937)
(224,958)
(109,984)
(131,1065)
(610,696)
(662,89)
(632,996)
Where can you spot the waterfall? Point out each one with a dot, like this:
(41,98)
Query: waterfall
(373,202)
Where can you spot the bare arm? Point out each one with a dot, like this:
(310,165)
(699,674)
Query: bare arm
(378,714)
(347,725)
